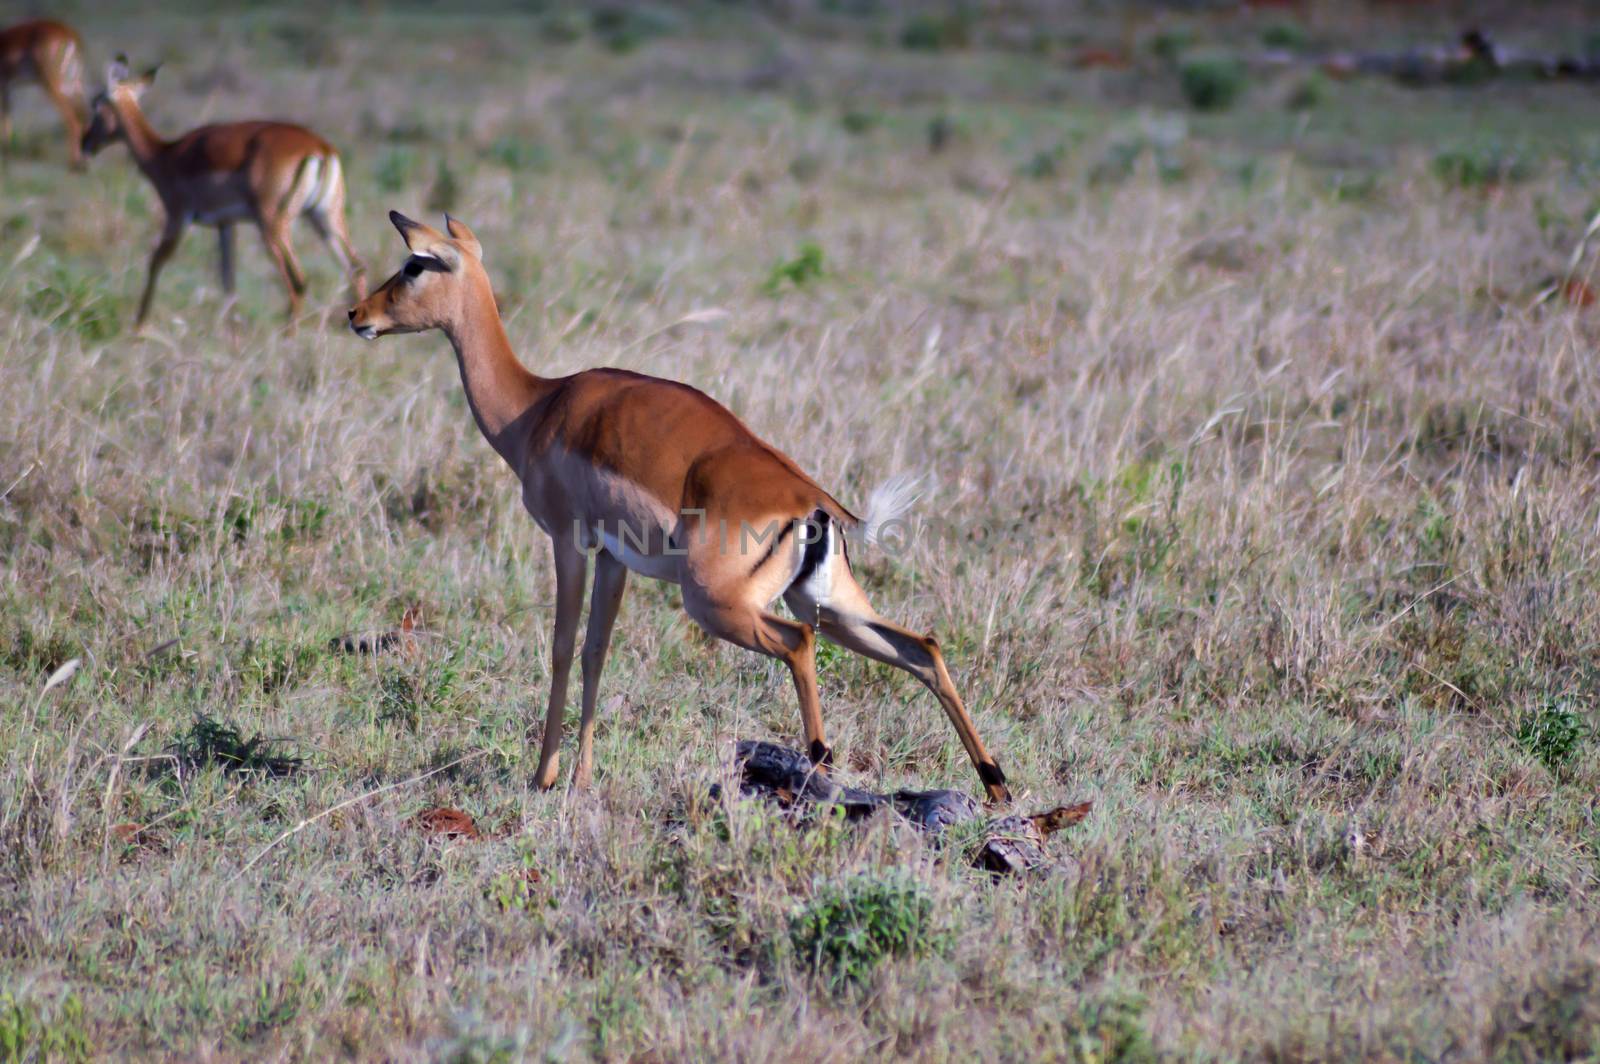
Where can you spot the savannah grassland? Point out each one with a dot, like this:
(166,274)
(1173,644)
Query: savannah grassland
(1262,511)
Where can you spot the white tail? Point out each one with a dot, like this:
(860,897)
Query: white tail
(889,501)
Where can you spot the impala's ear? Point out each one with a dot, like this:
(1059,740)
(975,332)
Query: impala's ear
(425,241)
(137,85)
(462,235)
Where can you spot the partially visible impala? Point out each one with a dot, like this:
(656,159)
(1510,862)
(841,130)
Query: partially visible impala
(654,476)
(51,54)
(268,173)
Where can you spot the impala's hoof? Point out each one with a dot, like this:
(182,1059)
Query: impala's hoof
(994,783)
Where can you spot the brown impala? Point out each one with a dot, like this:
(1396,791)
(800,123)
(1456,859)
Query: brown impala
(51,54)
(269,173)
(654,476)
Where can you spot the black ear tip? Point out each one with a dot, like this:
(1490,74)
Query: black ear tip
(400,221)
(122,57)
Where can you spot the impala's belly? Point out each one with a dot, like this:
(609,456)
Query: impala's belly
(659,566)
(600,510)
(216,199)
(221,213)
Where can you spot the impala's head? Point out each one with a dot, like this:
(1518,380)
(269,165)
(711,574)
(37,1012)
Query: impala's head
(430,290)
(105,122)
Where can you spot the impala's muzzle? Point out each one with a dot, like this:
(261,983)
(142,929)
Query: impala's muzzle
(360,323)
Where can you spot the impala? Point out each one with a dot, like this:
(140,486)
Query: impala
(51,54)
(269,173)
(652,476)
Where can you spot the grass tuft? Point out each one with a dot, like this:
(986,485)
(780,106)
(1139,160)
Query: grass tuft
(209,742)
(850,927)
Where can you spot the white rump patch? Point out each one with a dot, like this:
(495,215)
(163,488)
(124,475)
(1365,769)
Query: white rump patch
(817,587)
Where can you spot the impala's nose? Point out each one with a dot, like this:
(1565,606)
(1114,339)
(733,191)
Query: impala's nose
(361,329)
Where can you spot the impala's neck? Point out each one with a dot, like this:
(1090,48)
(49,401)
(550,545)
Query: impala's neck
(499,388)
(143,141)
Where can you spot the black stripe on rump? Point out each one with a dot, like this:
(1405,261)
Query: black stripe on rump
(815,551)
(772,548)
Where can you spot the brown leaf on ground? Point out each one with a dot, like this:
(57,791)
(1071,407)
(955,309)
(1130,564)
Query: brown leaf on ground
(1063,816)
(447,823)
(128,833)
(1101,58)
(139,840)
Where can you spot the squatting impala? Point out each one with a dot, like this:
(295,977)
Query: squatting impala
(51,54)
(652,476)
(269,173)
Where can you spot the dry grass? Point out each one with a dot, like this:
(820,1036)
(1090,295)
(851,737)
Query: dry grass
(1265,515)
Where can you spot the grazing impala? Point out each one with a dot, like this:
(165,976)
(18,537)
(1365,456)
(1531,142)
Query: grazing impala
(269,173)
(51,54)
(654,476)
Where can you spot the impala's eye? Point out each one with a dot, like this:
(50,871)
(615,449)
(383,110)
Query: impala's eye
(413,269)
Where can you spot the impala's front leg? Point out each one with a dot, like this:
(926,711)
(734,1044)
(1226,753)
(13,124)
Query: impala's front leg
(572,567)
(225,246)
(158,258)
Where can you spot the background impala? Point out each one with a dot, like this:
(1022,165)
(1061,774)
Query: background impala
(265,173)
(49,54)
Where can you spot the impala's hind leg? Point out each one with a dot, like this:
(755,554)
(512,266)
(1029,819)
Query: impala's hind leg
(327,218)
(740,618)
(610,578)
(844,616)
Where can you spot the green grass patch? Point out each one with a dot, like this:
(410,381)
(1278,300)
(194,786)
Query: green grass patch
(850,927)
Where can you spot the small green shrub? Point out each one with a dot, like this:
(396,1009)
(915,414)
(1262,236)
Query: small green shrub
(520,887)
(799,271)
(310,44)
(29,1033)
(1481,166)
(1043,164)
(405,691)
(519,154)
(850,927)
(1213,84)
(856,122)
(76,303)
(395,168)
(1112,1026)
(273,665)
(210,742)
(446,189)
(624,27)
(1310,93)
(1553,733)
(1285,35)
(561,27)
(937,33)
(1169,45)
